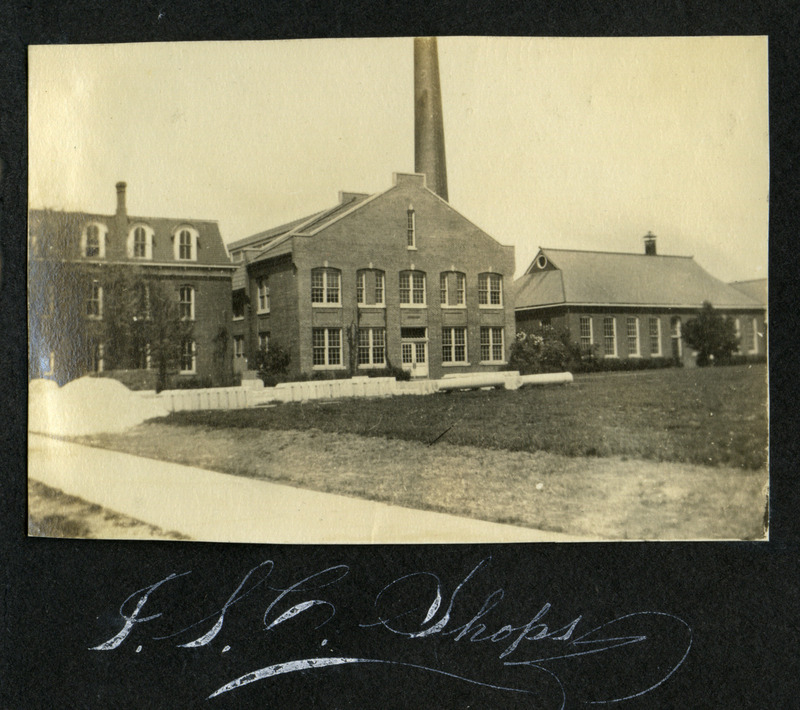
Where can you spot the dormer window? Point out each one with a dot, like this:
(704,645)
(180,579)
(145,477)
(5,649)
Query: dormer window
(185,239)
(93,241)
(411,228)
(140,242)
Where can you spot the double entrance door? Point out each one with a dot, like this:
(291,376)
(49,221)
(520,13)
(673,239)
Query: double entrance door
(414,351)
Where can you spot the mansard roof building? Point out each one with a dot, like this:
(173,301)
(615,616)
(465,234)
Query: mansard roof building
(76,259)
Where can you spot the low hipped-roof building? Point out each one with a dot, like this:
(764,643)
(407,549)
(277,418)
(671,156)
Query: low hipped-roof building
(620,305)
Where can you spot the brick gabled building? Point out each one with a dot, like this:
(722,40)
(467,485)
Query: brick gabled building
(67,329)
(622,305)
(398,277)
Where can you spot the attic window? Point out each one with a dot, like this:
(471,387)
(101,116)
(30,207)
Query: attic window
(541,261)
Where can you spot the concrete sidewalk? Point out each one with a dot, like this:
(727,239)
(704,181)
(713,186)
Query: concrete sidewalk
(211,506)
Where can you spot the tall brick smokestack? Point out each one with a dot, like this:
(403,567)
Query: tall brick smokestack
(428,124)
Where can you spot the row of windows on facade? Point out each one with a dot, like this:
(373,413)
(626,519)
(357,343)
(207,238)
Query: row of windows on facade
(139,244)
(186,302)
(748,339)
(187,360)
(326,289)
(326,346)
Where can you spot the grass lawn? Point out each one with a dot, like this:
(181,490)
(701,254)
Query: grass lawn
(709,416)
(570,459)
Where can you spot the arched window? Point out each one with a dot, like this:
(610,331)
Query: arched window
(185,243)
(412,288)
(370,288)
(140,242)
(326,287)
(93,240)
(452,289)
(186,302)
(490,290)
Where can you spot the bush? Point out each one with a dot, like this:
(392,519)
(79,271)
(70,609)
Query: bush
(594,364)
(191,383)
(272,364)
(547,350)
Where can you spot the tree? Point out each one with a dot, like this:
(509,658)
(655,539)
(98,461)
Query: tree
(712,335)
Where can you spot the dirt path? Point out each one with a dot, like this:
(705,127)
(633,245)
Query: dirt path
(609,498)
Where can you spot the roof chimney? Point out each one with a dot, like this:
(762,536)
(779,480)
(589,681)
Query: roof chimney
(121,208)
(428,123)
(650,244)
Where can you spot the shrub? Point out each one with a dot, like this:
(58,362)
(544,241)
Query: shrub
(712,335)
(547,350)
(272,364)
(194,382)
(594,364)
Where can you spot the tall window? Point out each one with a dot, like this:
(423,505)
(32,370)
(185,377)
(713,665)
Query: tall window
(371,346)
(370,287)
(186,302)
(326,347)
(238,346)
(655,337)
(454,345)
(263,341)
(610,336)
(490,290)
(188,356)
(491,344)
(411,228)
(452,288)
(94,305)
(750,337)
(263,296)
(675,337)
(142,296)
(632,333)
(737,323)
(93,241)
(326,286)
(586,334)
(412,288)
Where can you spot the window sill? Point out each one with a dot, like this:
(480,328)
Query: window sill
(373,306)
(411,248)
(457,364)
(610,357)
(326,305)
(262,313)
(329,367)
(417,306)
(494,362)
(379,366)
(238,318)
(491,307)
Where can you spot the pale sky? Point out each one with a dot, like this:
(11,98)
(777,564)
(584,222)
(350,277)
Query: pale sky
(567,143)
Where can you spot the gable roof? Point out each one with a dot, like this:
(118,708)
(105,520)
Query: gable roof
(309,226)
(622,279)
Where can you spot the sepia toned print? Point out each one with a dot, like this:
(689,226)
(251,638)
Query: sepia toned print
(399,290)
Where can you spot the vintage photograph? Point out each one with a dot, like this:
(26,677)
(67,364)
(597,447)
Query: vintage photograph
(455,289)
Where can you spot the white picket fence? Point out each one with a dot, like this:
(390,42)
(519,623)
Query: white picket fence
(246,397)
